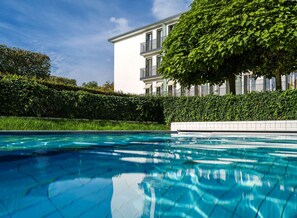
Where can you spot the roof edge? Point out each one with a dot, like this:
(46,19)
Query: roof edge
(138,30)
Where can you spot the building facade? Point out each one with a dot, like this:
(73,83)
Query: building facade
(137,58)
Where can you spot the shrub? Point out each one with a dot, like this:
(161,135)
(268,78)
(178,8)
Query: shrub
(19,97)
(29,98)
(21,62)
(275,105)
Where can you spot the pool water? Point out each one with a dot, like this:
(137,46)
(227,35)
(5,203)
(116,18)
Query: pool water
(148,175)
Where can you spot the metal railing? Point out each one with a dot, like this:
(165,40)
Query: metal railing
(151,45)
(148,72)
(246,86)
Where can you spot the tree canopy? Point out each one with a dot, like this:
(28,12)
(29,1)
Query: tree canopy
(24,63)
(91,84)
(218,39)
(106,87)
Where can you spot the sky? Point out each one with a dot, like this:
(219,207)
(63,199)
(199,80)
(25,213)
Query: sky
(75,33)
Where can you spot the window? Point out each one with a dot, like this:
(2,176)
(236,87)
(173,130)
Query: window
(159,86)
(170,28)
(148,67)
(148,89)
(159,60)
(204,90)
(159,38)
(171,88)
(158,91)
(148,41)
(182,91)
(196,90)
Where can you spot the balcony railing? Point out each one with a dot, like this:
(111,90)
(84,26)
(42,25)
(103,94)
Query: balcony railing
(151,45)
(148,72)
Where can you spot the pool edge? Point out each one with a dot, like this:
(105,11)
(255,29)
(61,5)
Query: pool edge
(67,132)
(273,126)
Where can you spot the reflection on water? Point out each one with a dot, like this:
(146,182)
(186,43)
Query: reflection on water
(148,176)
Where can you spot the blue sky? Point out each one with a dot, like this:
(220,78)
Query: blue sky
(74,33)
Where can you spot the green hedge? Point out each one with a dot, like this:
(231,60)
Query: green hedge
(29,98)
(275,105)
(20,97)
(22,62)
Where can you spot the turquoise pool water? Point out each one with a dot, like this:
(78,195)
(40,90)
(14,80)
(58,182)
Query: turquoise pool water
(148,175)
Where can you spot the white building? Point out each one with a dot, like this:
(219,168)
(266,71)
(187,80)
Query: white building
(137,57)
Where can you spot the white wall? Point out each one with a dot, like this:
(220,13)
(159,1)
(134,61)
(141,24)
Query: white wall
(127,64)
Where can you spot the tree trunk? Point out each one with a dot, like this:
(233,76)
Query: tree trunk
(278,79)
(232,86)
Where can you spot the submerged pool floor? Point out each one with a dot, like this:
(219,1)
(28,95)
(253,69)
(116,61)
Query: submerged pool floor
(148,175)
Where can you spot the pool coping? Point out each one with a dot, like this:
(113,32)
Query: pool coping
(231,131)
(274,126)
(69,132)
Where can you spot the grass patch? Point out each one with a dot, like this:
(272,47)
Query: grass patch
(21,123)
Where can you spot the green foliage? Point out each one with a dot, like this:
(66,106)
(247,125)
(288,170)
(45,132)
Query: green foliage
(20,97)
(91,84)
(107,86)
(63,80)
(216,40)
(254,106)
(58,85)
(21,62)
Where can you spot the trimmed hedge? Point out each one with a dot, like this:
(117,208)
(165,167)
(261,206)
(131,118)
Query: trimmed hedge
(22,62)
(20,97)
(29,98)
(275,105)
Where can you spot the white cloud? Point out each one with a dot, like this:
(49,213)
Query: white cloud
(122,24)
(166,8)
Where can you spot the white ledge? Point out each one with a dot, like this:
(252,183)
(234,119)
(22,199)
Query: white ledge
(237,126)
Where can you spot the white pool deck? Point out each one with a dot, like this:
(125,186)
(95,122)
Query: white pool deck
(234,126)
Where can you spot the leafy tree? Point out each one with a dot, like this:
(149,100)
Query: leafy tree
(107,87)
(217,40)
(24,63)
(272,26)
(91,84)
(63,80)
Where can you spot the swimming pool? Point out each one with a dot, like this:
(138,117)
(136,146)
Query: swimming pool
(148,175)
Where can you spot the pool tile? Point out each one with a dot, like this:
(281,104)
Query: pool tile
(15,188)
(117,214)
(219,211)
(97,189)
(74,181)
(249,205)
(53,215)
(231,197)
(3,211)
(290,209)
(37,210)
(93,203)
(101,210)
